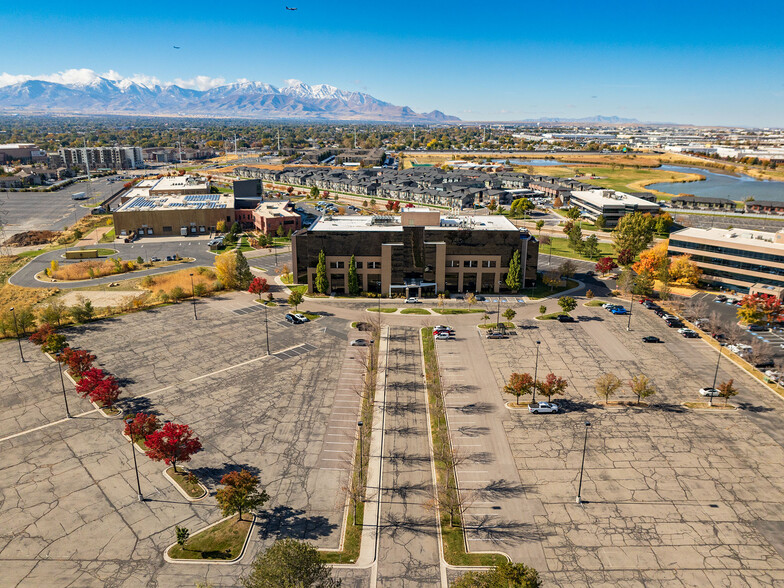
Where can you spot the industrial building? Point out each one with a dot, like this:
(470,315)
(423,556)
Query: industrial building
(418,253)
(610,204)
(733,259)
(166,216)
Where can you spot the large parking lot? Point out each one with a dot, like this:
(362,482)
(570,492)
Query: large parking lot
(672,496)
(68,508)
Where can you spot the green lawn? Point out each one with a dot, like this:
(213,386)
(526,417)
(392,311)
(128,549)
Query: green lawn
(188,484)
(551,316)
(595,303)
(302,288)
(310,316)
(223,541)
(456,310)
(415,311)
(560,247)
(542,290)
(493,325)
(108,237)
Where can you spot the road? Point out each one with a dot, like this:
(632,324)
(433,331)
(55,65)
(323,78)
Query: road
(50,211)
(408,535)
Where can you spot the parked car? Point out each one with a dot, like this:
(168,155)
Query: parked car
(757,328)
(443,336)
(670,317)
(720,298)
(688,333)
(302,318)
(496,335)
(543,407)
(739,348)
(412,300)
(646,301)
(360,343)
(154,258)
(764,363)
(608,305)
(709,392)
(673,324)
(564,318)
(659,312)
(619,311)
(292,319)
(651,339)
(479,298)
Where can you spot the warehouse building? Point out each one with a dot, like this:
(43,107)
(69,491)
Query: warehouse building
(418,253)
(170,215)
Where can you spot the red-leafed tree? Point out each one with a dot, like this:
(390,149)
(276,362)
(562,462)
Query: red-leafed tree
(173,443)
(605,265)
(42,333)
(390,205)
(77,360)
(552,385)
(106,392)
(625,257)
(142,425)
(88,381)
(519,385)
(258,286)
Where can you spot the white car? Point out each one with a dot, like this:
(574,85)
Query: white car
(412,300)
(302,317)
(543,407)
(442,328)
(443,336)
(709,392)
(739,348)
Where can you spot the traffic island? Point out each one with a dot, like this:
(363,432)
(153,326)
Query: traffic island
(705,407)
(222,542)
(186,483)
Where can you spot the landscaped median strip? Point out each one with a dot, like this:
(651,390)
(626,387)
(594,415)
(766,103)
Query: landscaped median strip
(448,500)
(219,543)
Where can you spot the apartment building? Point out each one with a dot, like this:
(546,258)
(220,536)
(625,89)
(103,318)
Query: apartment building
(100,157)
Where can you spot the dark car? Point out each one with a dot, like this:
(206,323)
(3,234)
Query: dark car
(480,298)
(757,328)
(659,312)
(292,319)
(564,318)
(651,339)
(765,363)
(674,324)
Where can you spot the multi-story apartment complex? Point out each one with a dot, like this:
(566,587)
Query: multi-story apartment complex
(734,259)
(101,157)
(418,253)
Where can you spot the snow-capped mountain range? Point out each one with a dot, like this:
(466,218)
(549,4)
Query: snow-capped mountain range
(245,99)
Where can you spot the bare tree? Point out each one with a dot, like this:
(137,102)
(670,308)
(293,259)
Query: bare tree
(451,501)
(760,353)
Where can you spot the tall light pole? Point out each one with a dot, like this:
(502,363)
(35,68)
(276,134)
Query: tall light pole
(582,465)
(132,431)
(16,330)
(62,383)
(715,376)
(631,305)
(498,310)
(266,327)
(193,299)
(536,369)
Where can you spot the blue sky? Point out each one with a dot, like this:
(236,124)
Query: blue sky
(689,61)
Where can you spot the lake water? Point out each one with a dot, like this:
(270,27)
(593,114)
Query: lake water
(535,162)
(722,185)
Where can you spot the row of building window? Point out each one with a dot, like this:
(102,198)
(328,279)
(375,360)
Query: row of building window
(726,250)
(743,277)
(342,265)
(469,263)
(752,267)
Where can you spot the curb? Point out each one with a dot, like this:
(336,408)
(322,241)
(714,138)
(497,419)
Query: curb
(212,562)
(181,491)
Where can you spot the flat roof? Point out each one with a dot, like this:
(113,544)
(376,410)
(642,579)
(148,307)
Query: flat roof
(731,237)
(179,183)
(611,198)
(391,223)
(275,209)
(182,202)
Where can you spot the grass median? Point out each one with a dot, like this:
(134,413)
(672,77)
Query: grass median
(223,541)
(450,508)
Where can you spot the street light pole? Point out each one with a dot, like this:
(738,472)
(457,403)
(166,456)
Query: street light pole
(62,383)
(16,330)
(361,454)
(536,369)
(715,376)
(266,328)
(582,465)
(631,305)
(193,299)
(129,422)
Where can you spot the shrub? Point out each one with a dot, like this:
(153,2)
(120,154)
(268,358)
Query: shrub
(163,296)
(55,343)
(41,334)
(199,290)
(83,311)
(177,294)
(148,281)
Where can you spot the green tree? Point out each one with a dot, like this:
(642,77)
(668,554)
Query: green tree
(182,535)
(513,278)
(321,285)
(83,311)
(280,232)
(314,192)
(140,260)
(353,278)
(289,563)
(509,314)
(567,303)
(505,575)
(53,313)
(542,309)
(244,275)
(240,493)
(601,222)
(590,247)
(643,284)
(295,299)
(607,385)
(575,236)
(573,213)
(634,232)
(539,226)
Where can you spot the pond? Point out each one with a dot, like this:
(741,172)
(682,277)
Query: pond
(717,185)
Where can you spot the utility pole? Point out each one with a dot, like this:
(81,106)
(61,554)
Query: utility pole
(278,141)
(582,465)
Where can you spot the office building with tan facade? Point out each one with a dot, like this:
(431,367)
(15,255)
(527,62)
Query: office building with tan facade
(144,214)
(735,259)
(418,253)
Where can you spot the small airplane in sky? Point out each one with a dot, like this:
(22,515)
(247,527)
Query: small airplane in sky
(287,8)
(175,46)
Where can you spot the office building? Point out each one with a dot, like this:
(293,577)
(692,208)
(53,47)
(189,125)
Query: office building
(610,204)
(734,259)
(418,253)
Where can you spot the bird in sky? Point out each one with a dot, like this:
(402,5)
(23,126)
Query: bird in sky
(175,46)
(287,8)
